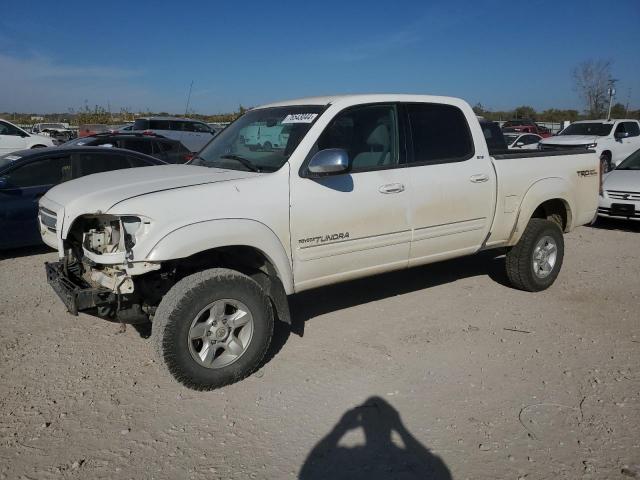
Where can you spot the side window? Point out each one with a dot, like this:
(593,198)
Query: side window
(368,134)
(138,145)
(7,129)
(48,171)
(529,139)
(162,125)
(90,163)
(440,134)
(200,128)
(631,128)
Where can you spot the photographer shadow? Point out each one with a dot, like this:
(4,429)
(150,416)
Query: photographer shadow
(380,457)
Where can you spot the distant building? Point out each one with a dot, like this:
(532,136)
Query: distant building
(37,118)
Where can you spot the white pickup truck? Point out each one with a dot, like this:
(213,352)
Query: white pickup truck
(612,140)
(209,251)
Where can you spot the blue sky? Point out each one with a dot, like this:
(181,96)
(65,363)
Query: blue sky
(143,55)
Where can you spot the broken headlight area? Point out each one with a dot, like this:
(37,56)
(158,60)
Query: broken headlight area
(110,234)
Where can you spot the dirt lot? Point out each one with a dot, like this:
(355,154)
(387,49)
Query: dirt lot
(440,372)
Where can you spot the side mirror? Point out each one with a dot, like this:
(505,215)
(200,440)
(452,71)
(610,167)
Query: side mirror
(328,162)
(520,144)
(620,135)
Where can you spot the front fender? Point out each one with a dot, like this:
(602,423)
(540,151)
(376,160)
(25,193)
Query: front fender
(198,237)
(545,189)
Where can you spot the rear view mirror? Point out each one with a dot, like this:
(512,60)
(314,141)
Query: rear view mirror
(620,135)
(329,161)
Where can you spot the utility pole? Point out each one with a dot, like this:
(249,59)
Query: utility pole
(188,99)
(611,91)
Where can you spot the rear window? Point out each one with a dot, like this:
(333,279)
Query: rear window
(440,134)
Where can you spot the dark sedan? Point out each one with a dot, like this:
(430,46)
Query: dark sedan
(26,175)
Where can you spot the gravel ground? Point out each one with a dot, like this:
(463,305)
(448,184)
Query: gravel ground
(439,372)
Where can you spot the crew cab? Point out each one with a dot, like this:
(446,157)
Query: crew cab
(210,250)
(613,140)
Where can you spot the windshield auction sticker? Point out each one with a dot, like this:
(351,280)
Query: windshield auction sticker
(300,118)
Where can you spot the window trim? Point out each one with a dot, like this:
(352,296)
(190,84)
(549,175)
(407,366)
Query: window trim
(303,171)
(410,149)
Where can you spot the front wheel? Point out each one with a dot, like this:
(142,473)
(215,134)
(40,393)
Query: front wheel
(213,328)
(534,263)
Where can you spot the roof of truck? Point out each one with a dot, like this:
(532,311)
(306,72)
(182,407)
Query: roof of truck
(363,98)
(611,120)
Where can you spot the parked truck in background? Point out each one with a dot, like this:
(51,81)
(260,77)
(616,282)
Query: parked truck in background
(209,251)
(613,140)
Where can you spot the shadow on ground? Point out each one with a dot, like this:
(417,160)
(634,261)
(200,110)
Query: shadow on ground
(307,305)
(383,455)
(616,224)
(25,252)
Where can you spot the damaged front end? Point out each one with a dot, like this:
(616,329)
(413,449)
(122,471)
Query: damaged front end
(99,266)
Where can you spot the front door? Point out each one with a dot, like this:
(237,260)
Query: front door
(352,224)
(11,139)
(452,186)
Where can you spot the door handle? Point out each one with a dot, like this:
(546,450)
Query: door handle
(391,188)
(479,178)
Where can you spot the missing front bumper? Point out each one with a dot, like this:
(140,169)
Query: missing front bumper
(76,294)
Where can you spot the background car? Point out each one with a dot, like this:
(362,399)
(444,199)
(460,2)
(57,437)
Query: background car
(526,126)
(14,138)
(522,141)
(165,149)
(26,175)
(58,131)
(620,196)
(193,134)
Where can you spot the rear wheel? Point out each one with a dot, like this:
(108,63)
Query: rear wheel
(213,328)
(534,263)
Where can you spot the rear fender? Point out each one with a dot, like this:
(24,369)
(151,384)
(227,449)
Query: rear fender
(551,188)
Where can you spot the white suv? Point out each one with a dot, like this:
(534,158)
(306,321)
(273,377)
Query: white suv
(14,138)
(613,140)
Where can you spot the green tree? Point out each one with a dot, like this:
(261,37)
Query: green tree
(618,110)
(525,111)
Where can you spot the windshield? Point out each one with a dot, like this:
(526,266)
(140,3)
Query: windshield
(261,140)
(591,128)
(632,162)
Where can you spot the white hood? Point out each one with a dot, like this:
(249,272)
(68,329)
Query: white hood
(623,180)
(101,191)
(571,140)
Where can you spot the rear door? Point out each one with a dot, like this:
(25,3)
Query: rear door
(25,185)
(452,188)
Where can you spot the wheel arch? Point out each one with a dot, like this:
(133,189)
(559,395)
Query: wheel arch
(548,198)
(237,237)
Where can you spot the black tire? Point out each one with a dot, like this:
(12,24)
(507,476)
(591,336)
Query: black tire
(181,305)
(605,159)
(520,259)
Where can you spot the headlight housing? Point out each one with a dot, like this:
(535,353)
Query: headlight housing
(112,234)
(591,145)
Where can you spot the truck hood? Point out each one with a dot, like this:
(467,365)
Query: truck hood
(623,180)
(101,191)
(571,139)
